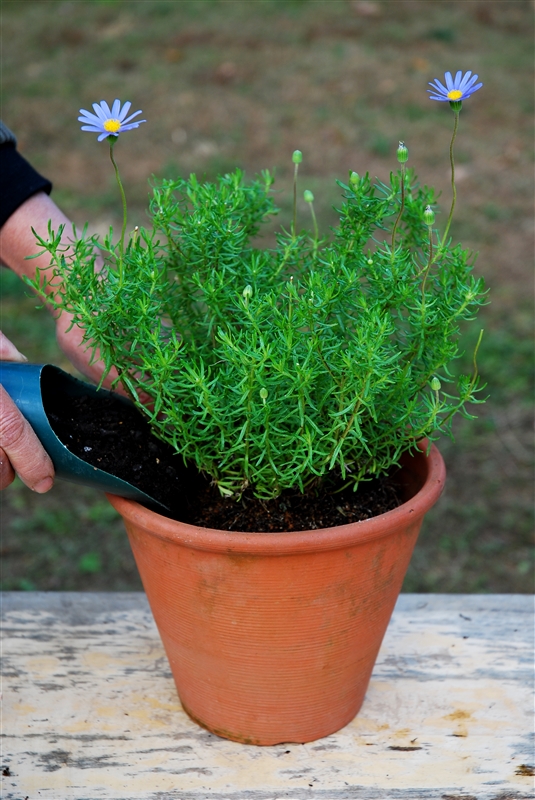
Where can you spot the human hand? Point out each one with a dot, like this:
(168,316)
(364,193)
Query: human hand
(70,339)
(17,241)
(79,353)
(20,450)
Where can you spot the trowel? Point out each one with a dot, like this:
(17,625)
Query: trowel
(28,385)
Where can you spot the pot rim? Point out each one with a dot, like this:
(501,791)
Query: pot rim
(286,543)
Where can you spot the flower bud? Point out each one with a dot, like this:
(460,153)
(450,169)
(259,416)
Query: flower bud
(263,395)
(354,178)
(297,156)
(247,292)
(435,384)
(403,153)
(309,197)
(429,216)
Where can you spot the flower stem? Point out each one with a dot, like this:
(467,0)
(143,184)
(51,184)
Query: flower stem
(453,189)
(316,232)
(401,207)
(429,262)
(112,140)
(294,225)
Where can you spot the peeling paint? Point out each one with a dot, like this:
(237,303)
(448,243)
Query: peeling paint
(444,718)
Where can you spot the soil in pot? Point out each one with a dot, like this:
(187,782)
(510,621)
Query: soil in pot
(116,438)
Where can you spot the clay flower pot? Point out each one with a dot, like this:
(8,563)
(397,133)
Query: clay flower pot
(273,637)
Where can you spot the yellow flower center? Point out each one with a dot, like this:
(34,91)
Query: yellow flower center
(455,94)
(113,125)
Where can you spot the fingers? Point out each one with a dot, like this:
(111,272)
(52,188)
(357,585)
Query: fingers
(7,473)
(18,443)
(79,354)
(21,450)
(8,351)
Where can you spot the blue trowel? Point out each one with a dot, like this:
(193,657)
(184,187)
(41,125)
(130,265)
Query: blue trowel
(29,385)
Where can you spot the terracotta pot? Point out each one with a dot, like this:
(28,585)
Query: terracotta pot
(273,637)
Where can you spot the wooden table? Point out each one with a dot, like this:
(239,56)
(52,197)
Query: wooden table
(91,710)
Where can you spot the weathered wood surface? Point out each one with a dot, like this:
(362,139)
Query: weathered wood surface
(90,710)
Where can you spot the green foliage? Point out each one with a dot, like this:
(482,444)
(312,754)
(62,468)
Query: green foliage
(281,367)
(90,563)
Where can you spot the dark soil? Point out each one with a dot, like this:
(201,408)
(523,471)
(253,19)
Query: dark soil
(115,437)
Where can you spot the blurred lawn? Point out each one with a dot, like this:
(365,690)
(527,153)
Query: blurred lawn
(225,84)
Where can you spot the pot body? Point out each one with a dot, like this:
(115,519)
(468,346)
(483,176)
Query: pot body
(273,637)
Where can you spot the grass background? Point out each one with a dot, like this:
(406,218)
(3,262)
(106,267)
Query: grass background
(225,83)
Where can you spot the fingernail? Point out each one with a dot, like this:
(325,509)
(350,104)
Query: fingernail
(44,485)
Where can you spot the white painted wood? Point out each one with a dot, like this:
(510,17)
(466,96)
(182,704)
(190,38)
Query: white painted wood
(91,712)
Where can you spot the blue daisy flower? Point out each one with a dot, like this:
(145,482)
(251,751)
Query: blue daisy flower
(109,122)
(456,90)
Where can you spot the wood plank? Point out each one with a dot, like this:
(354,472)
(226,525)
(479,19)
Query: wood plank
(91,712)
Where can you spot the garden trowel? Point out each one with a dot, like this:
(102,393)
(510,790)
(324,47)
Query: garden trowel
(28,385)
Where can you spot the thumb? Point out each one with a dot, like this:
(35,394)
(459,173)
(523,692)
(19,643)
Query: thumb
(8,351)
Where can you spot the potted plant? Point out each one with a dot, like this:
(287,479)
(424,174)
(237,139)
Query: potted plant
(285,374)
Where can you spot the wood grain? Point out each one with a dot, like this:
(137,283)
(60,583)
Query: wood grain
(91,711)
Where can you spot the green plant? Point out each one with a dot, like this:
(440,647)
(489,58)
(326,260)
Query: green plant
(319,358)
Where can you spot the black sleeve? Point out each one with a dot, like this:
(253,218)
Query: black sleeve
(19,181)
